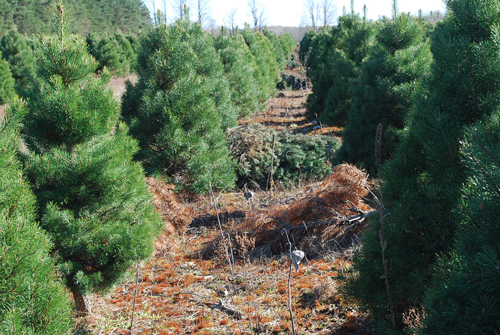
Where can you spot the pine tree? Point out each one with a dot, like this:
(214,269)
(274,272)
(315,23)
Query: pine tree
(32,298)
(93,200)
(266,61)
(422,183)
(320,69)
(353,42)
(464,297)
(241,72)
(181,106)
(7,91)
(383,92)
(16,49)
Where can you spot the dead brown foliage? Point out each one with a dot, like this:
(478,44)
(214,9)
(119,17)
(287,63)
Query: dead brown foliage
(329,212)
(176,216)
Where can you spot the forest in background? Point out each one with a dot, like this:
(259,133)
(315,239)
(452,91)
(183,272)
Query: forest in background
(110,16)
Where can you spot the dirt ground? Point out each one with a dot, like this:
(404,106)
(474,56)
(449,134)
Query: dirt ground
(117,84)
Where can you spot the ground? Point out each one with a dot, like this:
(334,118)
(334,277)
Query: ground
(201,282)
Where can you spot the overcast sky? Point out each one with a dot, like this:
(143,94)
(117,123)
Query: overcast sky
(288,12)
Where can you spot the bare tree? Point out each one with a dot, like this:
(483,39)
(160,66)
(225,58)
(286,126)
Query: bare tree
(327,13)
(164,3)
(230,21)
(151,5)
(203,12)
(178,8)
(212,26)
(318,13)
(258,14)
(309,16)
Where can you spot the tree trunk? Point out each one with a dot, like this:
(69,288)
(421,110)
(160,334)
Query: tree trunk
(81,303)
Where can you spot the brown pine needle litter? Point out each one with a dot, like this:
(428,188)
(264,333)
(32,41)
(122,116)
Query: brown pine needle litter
(329,215)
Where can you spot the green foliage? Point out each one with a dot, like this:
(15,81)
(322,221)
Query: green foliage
(32,299)
(92,198)
(293,157)
(384,90)
(99,16)
(277,49)
(241,71)
(181,106)
(17,50)
(114,52)
(7,91)
(261,48)
(423,181)
(333,59)
(304,156)
(465,295)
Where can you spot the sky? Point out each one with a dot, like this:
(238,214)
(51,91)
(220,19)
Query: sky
(288,12)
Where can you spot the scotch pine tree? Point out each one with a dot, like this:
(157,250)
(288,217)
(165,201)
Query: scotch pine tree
(353,40)
(383,92)
(241,72)
(181,106)
(464,297)
(318,69)
(115,53)
(93,200)
(32,298)
(423,181)
(266,61)
(7,91)
(16,50)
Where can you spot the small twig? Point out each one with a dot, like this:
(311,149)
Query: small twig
(345,262)
(231,259)
(135,298)
(289,284)
(356,209)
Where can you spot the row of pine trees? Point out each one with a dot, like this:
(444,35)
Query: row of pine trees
(429,264)
(117,52)
(75,211)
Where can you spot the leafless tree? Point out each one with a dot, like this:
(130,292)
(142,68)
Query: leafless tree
(230,21)
(178,8)
(203,12)
(327,13)
(151,4)
(258,14)
(309,15)
(320,13)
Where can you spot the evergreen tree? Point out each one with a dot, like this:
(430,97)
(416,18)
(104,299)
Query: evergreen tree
(464,297)
(92,199)
(181,106)
(32,299)
(17,50)
(319,69)
(241,72)
(353,43)
(276,48)
(7,91)
(99,16)
(423,181)
(266,61)
(384,90)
